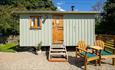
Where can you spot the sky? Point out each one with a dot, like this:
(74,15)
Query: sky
(80,5)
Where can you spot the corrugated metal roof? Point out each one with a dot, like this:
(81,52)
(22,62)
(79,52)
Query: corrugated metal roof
(56,12)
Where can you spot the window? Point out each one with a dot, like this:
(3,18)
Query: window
(35,22)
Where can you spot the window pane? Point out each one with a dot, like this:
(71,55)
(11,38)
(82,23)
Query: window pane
(38,22)
(33,21)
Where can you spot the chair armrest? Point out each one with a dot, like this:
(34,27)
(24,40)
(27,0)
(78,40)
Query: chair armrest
(81,49)
(110,47)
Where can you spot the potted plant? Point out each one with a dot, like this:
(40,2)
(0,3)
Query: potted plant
(38,48)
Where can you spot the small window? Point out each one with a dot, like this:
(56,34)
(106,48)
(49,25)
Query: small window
(35,22)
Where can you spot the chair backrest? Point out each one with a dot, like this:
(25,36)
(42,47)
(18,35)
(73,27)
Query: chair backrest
(99,43)
(82,45)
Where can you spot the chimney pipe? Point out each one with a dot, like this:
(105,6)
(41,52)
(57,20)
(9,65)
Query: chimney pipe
(72,8)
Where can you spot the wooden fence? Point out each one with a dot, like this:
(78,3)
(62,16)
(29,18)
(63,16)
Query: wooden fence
(108,39)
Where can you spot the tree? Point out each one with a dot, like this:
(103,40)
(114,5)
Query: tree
(107,24)
(98,6)
(9,22)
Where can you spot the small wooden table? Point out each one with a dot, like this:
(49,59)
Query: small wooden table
(97,48)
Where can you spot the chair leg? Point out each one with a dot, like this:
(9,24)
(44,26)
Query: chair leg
(99,58)
(96,62)
(76,54)
(99,62)
(113,61)
(85,64)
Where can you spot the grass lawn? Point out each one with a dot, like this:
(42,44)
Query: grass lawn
(9,47)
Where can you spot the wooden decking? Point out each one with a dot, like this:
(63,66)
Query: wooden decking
(57,60)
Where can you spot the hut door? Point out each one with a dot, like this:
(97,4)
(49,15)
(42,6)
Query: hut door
(57,29)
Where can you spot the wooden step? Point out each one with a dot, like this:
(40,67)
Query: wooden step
(56,50)
(58,60)
(58,47)
(58,53)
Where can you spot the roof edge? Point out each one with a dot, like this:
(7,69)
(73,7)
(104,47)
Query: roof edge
(56,12)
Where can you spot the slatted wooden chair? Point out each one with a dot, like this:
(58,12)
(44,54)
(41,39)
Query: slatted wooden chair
(106,53)
(81,50)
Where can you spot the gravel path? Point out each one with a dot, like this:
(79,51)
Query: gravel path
(29,61)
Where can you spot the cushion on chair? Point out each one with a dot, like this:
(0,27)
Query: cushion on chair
(88,54)
(105,52)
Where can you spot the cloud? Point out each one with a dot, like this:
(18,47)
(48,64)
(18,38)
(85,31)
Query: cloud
(59,3)
(60,9)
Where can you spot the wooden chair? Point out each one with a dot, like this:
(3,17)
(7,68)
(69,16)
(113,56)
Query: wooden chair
(106,53)
(81,50)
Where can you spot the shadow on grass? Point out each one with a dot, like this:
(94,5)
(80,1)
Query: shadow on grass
(14,48)
(8,48)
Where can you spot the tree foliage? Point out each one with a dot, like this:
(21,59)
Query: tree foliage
(9,22)
(98,6)
(107,24)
